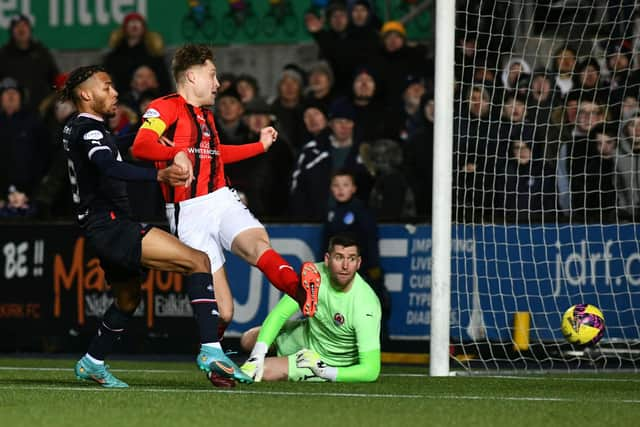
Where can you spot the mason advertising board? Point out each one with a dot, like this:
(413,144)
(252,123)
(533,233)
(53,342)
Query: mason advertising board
(51,283)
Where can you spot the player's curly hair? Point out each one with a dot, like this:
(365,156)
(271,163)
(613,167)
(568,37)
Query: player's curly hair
(76,78)
(188,56)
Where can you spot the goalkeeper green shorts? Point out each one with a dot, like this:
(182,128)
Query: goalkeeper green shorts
(291,339)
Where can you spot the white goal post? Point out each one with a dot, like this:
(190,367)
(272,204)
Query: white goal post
(536,201)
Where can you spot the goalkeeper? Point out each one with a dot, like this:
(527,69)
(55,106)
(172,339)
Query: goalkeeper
(340,343)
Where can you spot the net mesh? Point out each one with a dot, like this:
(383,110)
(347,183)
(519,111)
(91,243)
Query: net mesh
(546,182)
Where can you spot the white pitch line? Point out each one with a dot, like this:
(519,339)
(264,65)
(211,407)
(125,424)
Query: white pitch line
(317,394)
(400,375)
(146,371)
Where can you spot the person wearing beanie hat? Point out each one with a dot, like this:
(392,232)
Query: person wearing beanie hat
(28,61)
(229,111)
(132,45)
(316,122)
(398,59)
(287,107)
(320,89)
(24,138)
(393,27)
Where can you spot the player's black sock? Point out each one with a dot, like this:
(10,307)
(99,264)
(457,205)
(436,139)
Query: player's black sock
(110,330)
(203,302)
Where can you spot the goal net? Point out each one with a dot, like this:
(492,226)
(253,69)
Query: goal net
(546,178)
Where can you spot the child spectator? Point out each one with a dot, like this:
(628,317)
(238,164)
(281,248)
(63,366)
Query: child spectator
(351,215)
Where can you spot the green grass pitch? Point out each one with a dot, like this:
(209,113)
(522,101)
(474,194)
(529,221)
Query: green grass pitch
(44,392)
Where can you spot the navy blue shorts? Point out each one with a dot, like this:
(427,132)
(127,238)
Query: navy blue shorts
(118,243)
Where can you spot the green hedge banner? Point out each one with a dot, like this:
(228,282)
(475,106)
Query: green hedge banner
(86,24)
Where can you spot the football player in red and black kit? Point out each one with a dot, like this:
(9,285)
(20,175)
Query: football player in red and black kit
(207,214)
(125,247)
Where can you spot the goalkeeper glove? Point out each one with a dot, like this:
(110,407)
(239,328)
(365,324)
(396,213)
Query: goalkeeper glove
(254,366)
(306,358)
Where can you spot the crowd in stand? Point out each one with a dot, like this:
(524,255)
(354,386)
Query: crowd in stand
(361,106)
(547,144)
(532,142)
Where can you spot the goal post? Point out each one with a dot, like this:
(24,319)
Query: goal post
(442,180)
(536,201)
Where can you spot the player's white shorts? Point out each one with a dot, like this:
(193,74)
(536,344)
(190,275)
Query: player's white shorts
(210,223)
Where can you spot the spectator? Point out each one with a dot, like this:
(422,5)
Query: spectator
(418,160)
(247,87)
(315,122)
(262,179)
(24,141)
(525,187)
(29,62)
(474,134)
(287,107)
(320,90)
(351,215)
(133,45)
(144,79)
(17,204)
(600,181)
(52,196)
(541,99)
(513,70)
(564,64)
(370,115)
(391,195)
(589,76)
(363,33)
(575,169)
(628,170)
(563,120)
(333,42)
(399,60)
(310,198)
(403,122)
(619,65)
(229,110)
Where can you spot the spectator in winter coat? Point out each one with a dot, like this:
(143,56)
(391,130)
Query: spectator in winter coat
(309,195)
(24,141)
(628,170)
(133,45)
(29,62)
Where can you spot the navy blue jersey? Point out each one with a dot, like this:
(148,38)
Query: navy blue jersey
(89,146)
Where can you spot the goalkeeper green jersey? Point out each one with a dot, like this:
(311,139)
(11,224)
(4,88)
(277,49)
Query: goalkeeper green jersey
(345,323)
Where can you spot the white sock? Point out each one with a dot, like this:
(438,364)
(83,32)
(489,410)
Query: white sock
(94,360)
(212,345)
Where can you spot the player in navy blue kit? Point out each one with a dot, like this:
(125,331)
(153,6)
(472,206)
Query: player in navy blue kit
(125,247)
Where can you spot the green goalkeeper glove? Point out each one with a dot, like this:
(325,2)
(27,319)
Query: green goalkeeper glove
(306,358)
(254,366)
